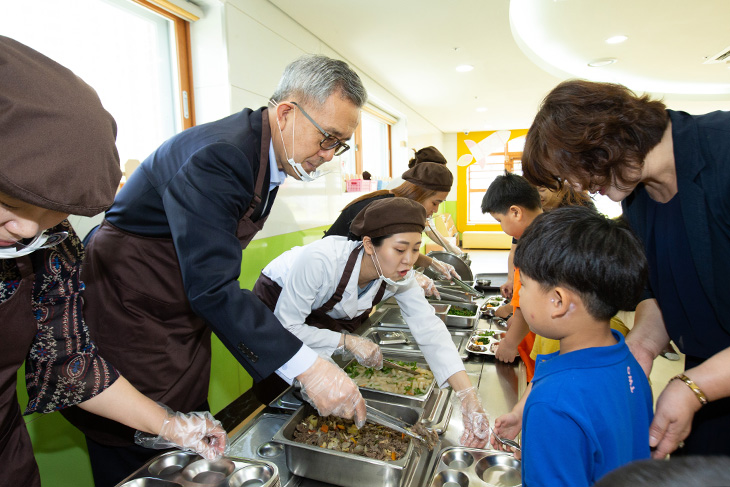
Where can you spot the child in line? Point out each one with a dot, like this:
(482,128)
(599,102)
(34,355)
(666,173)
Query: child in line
(589,406)
(514,203)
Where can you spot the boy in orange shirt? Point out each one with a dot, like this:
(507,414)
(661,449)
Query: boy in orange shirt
(514,203)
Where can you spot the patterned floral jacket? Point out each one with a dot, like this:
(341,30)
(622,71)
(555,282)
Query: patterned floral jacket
(62,367)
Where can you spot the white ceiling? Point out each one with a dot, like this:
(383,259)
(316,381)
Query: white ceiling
(522,50)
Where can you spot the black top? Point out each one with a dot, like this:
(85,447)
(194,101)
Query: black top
(341,226)
(688,315)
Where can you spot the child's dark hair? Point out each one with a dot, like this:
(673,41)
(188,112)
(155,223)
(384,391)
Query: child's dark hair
(508,190)
(598,258)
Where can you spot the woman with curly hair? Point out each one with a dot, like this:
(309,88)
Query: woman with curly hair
(670,172)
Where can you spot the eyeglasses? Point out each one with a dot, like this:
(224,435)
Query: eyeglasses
(330,141)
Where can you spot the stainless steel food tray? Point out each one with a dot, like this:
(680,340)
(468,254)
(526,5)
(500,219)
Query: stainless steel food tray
(393,317)
(473,467)
(410,348)
(417,401)
(183,469)
(347,469)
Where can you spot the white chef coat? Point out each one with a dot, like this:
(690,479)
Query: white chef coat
(309,276)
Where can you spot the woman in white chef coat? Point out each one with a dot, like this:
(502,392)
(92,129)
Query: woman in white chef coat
(325,289)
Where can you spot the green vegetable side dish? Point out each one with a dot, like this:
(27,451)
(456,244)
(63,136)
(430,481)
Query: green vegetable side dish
(456,311)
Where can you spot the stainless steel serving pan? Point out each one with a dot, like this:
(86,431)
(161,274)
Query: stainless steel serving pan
(415,401)
(347,469)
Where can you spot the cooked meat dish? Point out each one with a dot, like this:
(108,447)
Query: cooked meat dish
(373,441)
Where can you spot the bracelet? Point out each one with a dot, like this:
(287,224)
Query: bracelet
(691,384)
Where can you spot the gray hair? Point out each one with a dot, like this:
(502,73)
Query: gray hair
(312,79)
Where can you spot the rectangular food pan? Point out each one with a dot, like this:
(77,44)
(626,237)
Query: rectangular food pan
(347,469)
(462,322)
(411,400)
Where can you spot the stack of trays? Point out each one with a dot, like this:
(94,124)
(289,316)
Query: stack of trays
(182,469)
(473,467)
(484,342)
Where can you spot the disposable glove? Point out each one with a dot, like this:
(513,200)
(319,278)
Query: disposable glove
(365,351)
(197,432)
(476,421)
(326,387)
(447,271)
(428,286)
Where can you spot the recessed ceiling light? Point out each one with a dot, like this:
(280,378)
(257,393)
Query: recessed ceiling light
(602,62)
(616,39)
(463,68)
(482,109)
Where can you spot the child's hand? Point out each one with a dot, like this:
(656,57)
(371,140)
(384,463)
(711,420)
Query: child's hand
(507,426)
(506,351)
(506,289)
(503,311)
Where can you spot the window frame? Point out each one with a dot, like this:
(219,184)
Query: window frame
(181,25)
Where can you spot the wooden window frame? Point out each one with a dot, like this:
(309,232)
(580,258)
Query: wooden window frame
(181,25)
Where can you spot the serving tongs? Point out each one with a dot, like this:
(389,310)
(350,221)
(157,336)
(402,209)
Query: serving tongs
(396,366)
(379,417)
(466,287)
(448,294)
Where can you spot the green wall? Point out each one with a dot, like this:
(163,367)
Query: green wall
(60,449)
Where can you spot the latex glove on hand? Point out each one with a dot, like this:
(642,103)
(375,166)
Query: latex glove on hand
(447,271)
(197,432)
(328,388)
(476,421)
(365,351)
(428,286)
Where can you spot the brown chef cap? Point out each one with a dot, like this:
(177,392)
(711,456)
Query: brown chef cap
(57,146)
(430,176)
(389,216)
(427,154)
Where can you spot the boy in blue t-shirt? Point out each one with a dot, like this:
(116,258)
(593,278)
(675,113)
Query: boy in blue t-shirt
(589,406)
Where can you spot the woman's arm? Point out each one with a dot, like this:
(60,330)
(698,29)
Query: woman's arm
(198,432)
(648,337)
(677,404)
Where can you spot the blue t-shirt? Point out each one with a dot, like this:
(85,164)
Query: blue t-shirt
(588,413)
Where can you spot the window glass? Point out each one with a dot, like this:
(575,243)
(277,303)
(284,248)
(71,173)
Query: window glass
(123,50)
(375,147)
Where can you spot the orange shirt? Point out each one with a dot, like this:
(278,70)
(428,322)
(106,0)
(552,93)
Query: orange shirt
(515,302)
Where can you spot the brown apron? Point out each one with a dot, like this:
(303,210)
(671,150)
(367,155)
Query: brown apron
(161,346)
(19,326)
(269,291)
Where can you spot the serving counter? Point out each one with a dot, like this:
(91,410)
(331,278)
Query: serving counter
(252,425)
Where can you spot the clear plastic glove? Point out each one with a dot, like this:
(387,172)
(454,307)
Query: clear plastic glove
(365,351)
(326,387)
(428,286)
(447,271)
(197,432)
(476,421)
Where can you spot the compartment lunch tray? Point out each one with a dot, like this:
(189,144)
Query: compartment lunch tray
(474,467)
(184,469)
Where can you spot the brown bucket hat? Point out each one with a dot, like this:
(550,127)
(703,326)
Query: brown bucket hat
(430,175)
(58,143)
(389,216)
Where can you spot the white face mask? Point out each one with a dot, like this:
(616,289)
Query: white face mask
(41,241)
(298,168)
(403,282)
